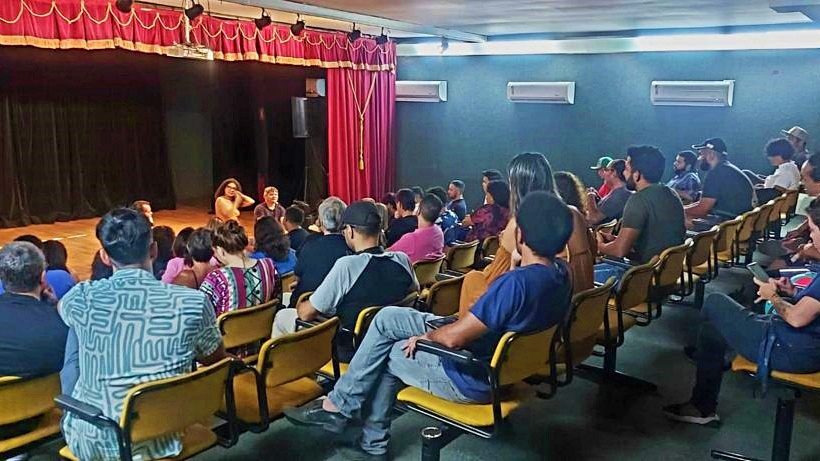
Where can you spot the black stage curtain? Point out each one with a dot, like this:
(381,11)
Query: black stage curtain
(66,156)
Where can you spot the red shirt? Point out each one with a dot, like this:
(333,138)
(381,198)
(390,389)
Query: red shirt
(604,190)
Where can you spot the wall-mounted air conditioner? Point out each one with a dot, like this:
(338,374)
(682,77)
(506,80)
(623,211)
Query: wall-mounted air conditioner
(693,93)
(542,92)
(421,91)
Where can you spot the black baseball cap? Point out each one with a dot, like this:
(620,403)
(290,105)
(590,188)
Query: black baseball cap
(361,213)
(716,144)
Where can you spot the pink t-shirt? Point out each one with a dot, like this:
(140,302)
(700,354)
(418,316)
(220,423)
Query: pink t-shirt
(421,244)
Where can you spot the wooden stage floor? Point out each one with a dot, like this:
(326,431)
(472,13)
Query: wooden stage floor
(81,243)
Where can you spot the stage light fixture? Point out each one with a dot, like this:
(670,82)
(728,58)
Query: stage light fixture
(354,34)
(383,38)
(124,5)
(298,26)
(194,11)
(263,21)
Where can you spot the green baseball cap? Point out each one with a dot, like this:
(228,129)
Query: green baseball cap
(603,162)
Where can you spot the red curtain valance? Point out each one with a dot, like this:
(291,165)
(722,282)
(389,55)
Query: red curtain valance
(97,24)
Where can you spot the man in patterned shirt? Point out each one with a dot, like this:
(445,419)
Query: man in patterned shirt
(131,329)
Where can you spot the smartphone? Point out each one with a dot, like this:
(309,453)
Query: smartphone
(437,323)
(758,272)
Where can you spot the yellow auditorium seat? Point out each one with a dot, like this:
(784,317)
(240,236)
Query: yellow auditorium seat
(489,247)
(29,400)
(287,280)
(725,241)
(461,257)
(426,272)
(443,297)
(183,404)
(247,328)
(745,234)
(700,265)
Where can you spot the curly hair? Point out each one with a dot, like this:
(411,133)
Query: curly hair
(220,191)
(571,190)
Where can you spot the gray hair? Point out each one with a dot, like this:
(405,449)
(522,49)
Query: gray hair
(330,213)
(21,267)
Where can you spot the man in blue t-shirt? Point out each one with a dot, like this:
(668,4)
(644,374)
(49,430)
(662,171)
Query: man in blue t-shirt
(534,297)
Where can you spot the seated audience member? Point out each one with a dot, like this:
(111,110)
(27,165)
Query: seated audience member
(600,168)
(686,181)
(581,247)
(528,172)
(99,269)
(653,218)
(271,242)
(270,205)
(389,201)
(164,238)
(242,281)
(426,242)
(405,220)
(293,222)
(32,239)
(612,206)
(447,221)
(418,194)
(32,336)
(144,208)
(798,137)
(180,251)
(58,277)
(370,277)
(787,340)
(487,176)
(175,324)
(787,175)
(320,253)
(492,217)
(727,192)
(456,204)
(200,251)
(533,297)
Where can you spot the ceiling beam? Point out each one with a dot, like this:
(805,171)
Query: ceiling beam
(310,10)
(809,8)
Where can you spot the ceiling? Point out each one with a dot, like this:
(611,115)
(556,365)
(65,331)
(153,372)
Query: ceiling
(502,17)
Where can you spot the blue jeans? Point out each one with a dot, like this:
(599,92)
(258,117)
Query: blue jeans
(71,363)
(728,325)
(603,271)
(379,369)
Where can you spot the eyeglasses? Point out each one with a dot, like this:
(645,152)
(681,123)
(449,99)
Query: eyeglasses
(231,187)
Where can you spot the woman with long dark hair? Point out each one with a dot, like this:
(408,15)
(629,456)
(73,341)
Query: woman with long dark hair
(180,251)
(270,241)
(582,246)
(491,218)
(228,199)
(199,251)
(57,274)
(527,172)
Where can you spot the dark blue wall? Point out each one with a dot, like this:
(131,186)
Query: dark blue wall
(478,128)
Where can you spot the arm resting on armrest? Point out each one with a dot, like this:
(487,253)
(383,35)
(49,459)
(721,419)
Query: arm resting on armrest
(435,348)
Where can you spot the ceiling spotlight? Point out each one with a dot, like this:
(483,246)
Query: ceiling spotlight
(124,5)
(445,43)
(354,34)
(298,26)
(263,21)
(383,38)
(194,11)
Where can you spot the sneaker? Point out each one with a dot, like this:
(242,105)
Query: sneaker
(351,453)
(688,413)
(312,414)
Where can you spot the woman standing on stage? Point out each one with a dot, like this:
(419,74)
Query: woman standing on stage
(229,199)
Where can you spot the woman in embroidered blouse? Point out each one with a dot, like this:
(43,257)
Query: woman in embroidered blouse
(242,281)
(229,199)
(492,217)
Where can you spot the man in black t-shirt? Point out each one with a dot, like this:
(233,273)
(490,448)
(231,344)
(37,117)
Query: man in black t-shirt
(457,204)
(727,191)
(293,221)
(405,221)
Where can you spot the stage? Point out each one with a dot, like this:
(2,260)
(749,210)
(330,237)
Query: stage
(79,238)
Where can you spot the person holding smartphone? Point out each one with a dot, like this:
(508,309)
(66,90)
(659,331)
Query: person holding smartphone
(789,338)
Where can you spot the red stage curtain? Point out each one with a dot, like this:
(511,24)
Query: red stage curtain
(360,152)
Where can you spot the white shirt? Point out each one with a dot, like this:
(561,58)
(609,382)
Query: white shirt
(787,176)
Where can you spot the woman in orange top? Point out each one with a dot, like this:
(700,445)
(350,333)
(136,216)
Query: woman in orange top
(229,199)
(528,172)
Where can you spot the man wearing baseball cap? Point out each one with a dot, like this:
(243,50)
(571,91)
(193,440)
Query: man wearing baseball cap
(727,191)
(369,277)
(600,167)
(798,138)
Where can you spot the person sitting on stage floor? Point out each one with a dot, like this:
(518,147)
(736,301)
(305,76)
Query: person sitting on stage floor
(200,251)
(242,281)
(228,199)
(405,220)
(271,242)
(292,222)
(426,242)
(370,277)
(180,251)
(320,253)
(612,206)
(271,206)
(128,330)
(787,341)
(533,297)
(164,237)
(653,217)
(144,207)
(58,277)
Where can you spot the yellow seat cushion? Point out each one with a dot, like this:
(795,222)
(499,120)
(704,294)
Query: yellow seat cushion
(471,414)
(642,308)
(196,439)
(327,370)
(292,394)
(809,380)
(725,256)
(629,322)
(701,270)
(48,425)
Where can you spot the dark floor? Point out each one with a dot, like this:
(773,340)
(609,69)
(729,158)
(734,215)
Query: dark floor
(583,421)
